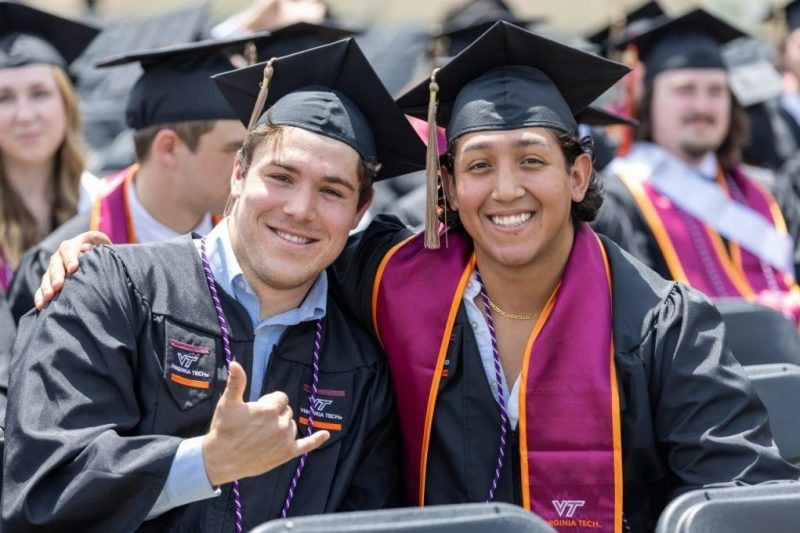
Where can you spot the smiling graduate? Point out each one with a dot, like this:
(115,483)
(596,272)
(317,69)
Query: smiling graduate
(165,386)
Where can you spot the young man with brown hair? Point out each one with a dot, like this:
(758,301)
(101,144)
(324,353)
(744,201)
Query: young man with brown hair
(164,387)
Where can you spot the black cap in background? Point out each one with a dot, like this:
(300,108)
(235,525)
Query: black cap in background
(690,41)
(331,90)
(632,24)
(301,36)
(471,20)
(28,35)
(176,84)
(511,78)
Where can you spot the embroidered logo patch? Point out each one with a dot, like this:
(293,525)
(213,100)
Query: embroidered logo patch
(328,408)
(187,372)
(567,508)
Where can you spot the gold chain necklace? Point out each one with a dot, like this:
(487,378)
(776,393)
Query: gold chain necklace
(512,316)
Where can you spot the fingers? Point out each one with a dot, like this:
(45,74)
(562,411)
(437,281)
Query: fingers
(275,400)
(44,293)
(54,276)
(310,443)
(237,382)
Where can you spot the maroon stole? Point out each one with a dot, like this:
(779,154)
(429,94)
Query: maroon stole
(569,425)
(111,213)
(697,256)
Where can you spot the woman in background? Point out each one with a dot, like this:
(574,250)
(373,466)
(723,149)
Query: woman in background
(42,178)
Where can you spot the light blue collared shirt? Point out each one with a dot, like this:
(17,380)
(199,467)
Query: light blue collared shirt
(187,481)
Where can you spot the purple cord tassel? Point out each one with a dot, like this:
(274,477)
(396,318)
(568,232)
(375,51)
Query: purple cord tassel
(312,400)
(226,346)
(498,376)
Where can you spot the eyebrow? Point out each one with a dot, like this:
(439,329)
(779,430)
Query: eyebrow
(336,180)
(521,143)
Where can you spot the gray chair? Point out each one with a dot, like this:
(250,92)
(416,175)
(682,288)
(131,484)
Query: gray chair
(778,386)
(770,507)
(462,518)
(759,335)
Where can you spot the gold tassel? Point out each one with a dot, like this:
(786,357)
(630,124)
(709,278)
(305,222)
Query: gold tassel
(432,171)
(262,94)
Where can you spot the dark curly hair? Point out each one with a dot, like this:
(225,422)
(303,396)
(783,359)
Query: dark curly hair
(572,147)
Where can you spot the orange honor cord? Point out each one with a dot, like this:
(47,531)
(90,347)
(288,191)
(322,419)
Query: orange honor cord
(451,318)
(131,231)
(657,227)
(523,407)
(734,272)
(615,412)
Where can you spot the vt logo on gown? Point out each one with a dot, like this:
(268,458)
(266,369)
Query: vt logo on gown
(182,361)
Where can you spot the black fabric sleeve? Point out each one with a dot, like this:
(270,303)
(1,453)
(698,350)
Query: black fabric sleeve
(8,331)
(620,220)
(73,458)
(27,278)
(353,273)
(789,204)
(711,424)
(28,275)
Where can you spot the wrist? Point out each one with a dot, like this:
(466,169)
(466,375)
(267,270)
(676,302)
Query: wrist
(215,470)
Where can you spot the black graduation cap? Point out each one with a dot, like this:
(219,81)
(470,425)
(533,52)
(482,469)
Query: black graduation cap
(633,23)
(331,90)
(509,78)
(28,35)
(301,36)
(472,20)
(690,41)
(498,83)
(792,14)
(176,83)
(596,116)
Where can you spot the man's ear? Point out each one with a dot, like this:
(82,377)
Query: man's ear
(237,179)
(165,147)
(363,209)
(580,174)
(449,185)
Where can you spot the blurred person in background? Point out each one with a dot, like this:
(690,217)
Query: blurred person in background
(42,178)
(697,217)
(185,136)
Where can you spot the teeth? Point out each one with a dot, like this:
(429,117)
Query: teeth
(292,238)
(511,220)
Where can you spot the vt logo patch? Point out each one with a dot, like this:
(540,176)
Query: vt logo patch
(186,359)
(183,365)
(331,406)
(567,508)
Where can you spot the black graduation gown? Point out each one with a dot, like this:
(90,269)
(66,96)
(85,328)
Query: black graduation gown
(690,417)
(28,274)
(8,331)
(621,219)
(94,421)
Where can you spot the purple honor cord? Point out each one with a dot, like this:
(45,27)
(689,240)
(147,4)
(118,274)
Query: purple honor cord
(226,346)
(498,376)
